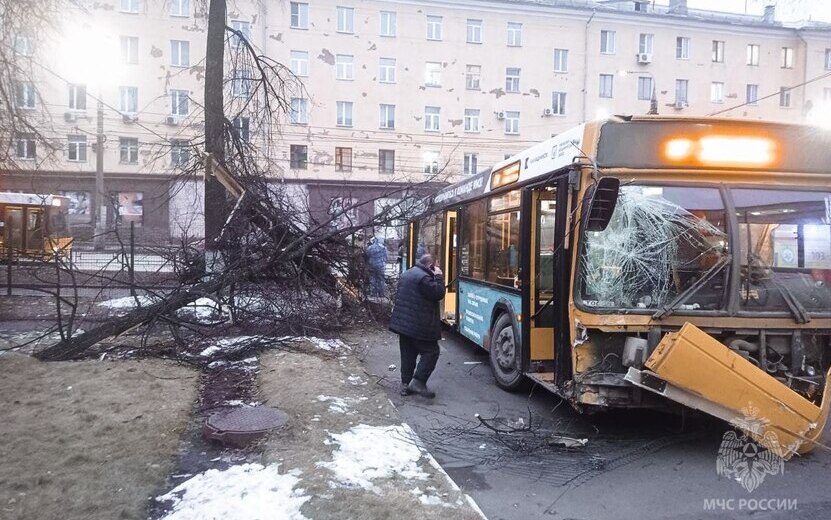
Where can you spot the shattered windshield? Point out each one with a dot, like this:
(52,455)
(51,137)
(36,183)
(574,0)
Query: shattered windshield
(660,241)
(785,249)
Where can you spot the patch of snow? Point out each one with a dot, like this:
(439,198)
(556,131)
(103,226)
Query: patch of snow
(355,380)
(243,492)
(368,453)
(340,404)
(204,310)
(129,302)
(428,499)
(229,344)
(239,402)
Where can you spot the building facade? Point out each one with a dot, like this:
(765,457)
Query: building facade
(408,91)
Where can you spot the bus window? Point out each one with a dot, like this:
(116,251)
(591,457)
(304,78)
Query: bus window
(472,250)
(34,228)
(546,229)
(660,241)
(429,237)
(784,248)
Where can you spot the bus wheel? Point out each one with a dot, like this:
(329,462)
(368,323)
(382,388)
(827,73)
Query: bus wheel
(504,355)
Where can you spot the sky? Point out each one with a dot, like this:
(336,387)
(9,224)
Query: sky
(786,10)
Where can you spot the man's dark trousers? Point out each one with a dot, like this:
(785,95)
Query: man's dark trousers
(411,349)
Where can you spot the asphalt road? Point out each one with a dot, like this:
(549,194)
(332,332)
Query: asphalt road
(636,465)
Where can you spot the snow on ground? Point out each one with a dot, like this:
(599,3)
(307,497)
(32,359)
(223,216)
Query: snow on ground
(340,404)
(330,345)
(229,345)
(243,492)
(204,310)
(368,453)
(128,302)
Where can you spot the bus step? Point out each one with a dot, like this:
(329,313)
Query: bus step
(544,379)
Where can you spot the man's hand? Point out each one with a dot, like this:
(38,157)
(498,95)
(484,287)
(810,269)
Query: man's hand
(437,270)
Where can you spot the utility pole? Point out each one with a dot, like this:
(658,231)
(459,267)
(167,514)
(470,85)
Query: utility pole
(216,205)
(98,213)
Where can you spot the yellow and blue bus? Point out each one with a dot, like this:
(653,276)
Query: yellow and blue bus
(576,261)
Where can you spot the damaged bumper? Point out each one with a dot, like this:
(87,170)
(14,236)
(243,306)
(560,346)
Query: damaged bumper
(696,370)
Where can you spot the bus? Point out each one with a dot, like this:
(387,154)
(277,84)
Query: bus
(34,225)
(636,261)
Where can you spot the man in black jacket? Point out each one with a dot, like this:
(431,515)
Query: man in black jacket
(415,318)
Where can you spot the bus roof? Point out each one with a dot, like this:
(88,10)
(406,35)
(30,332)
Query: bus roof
(31,199)
(660,142)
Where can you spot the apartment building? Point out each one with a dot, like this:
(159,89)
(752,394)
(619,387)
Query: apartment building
(404,91)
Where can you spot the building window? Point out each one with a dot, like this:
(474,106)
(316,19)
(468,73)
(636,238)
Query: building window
(682,48)
(560,60)
(344,109)
(342,212)
(607,42)
(242,128)
(300,63)
(434,27)
(387,70)
(681,91)
(514,34)
(180,8)
(240,83)
(471,163)
(431,118)
(472,120)
(474,31)
(127,207)
(387,116)
(24,45)
(645,87)
(77,97)
(128,148)
(343,159)
(76,148)
(24,94)
(179,102)
(299,156)
(386,161)
(432,74)
(473,75)
(25,147)
(753,54)
(299,15)
(179,53)
(646,43)
(558,103)
(431,162)
(511,79)
(299,114)
(346,19)
(718,51)
(607,85)
(129,100)
(130,6)
(787,57)
(344,67)
(512,123)
(388,24)
(129,50)
(179,152)
(242,33)
(752,94)
(717,92)
(785,97)
(827,59)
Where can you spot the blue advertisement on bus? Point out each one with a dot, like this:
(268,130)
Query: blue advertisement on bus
(476,304)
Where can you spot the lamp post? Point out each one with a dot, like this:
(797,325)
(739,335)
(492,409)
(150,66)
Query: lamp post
(653,101)
(98,199)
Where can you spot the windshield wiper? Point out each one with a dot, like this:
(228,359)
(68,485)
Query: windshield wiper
(692,289)
(797,310)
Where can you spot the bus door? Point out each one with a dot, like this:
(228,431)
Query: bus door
(13,220)
(449,266)
(34,229)
(543,296)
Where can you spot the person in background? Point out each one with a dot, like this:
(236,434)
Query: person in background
(415,318)
(377,260)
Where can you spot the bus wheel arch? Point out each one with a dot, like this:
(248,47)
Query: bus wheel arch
(504,348)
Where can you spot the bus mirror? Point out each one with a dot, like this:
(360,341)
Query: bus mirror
(600,201)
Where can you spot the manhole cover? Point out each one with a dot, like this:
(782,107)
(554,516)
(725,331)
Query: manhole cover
(241,426)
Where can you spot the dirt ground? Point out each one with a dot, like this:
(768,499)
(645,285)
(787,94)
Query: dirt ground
(303,385)
(91,439)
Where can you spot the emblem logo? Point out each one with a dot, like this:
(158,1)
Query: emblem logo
(746,460)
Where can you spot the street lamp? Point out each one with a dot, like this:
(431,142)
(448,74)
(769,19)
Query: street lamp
(90,58)
(653,102)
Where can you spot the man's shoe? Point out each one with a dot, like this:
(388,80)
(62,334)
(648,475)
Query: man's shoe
(404,389)
(417,387)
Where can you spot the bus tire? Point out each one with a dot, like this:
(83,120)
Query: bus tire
(504,354)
